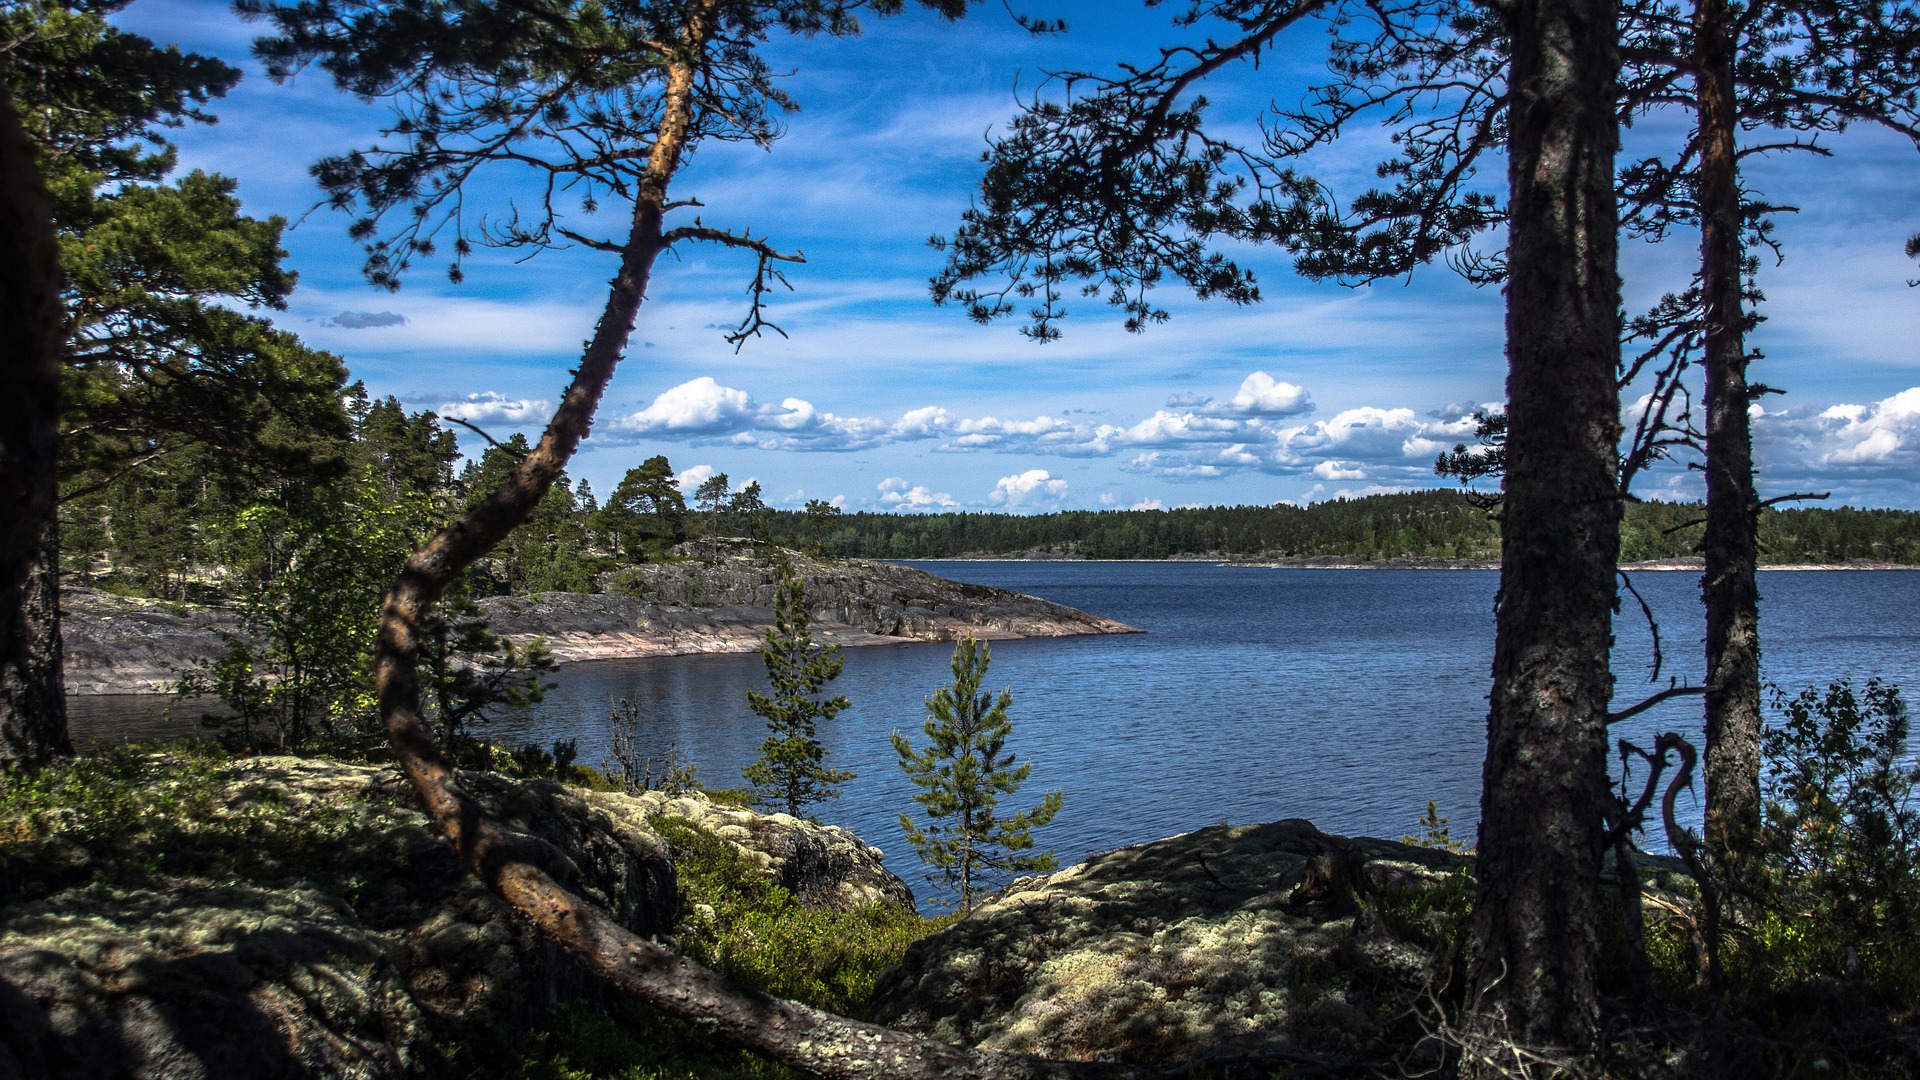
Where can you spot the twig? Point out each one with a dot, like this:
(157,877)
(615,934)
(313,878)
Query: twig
(1669,692)
(497,444)
(1652,626)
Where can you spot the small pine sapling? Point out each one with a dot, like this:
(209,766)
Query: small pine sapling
(963,771)
(791,771)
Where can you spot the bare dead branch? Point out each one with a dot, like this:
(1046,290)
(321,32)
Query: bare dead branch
(1665,695)
(495,443)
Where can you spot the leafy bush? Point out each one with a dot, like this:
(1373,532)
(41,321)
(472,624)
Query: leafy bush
(1842,840)
(1436,831)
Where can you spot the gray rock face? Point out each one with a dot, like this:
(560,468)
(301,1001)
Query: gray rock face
(365,953)
(664,609)
(117,645)
(823,865)
(1227,941)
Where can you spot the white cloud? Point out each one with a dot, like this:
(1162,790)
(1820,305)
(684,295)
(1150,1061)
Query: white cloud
(693,478)
(1249,432)
(896,493)
(927,422)
(492,405)
(699,406)
(1148,504)
(1334,470)
(1849,441)
(1031,488)
(1261,395)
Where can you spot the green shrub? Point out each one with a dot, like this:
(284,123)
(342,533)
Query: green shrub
(1436,831)
(1842,842)
(745,925)
(1429,915)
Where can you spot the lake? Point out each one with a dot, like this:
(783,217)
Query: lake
(1346,697)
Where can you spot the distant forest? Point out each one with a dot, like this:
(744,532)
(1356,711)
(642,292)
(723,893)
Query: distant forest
(1436,524)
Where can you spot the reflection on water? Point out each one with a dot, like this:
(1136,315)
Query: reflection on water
(1350,698)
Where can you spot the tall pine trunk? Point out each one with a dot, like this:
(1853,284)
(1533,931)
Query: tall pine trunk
(815,1042)
(33,707)
(1535,946)
(1730,545)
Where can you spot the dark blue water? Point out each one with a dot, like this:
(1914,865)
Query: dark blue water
(1346,697)
(1350,698)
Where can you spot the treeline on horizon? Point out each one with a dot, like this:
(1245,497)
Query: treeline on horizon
(1433,524)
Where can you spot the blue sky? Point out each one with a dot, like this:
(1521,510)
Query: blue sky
(878,400)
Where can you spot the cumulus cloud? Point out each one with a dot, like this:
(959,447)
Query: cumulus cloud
(699,406)
(703,409)
(693,478)
(1842,444)
(365,320)
(896,493)
(1463,410)
(1335,470)
(1262,395)
(1262,427)
(1031,488)
(492,405)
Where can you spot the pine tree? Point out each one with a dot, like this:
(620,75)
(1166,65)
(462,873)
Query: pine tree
(964,770)
(713,496)
(790,770)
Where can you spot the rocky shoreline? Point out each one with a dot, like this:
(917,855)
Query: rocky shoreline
(120,645)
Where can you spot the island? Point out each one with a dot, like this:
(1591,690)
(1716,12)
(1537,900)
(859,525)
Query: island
(124,645)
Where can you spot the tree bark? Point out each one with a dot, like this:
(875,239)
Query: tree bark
(1729,544)
(33,704)
(1535,945)
(808,1039)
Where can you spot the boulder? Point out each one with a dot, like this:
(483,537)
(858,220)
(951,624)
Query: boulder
(1232,941)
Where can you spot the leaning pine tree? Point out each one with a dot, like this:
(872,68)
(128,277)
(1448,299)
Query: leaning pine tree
(791,769)
(962,773)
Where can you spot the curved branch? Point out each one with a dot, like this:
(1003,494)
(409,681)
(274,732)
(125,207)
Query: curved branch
(1664,695)
(802,1037)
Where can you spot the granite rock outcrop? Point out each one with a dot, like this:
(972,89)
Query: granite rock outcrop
(286,917)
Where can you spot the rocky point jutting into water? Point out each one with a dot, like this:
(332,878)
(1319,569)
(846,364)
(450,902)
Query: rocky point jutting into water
(116,645)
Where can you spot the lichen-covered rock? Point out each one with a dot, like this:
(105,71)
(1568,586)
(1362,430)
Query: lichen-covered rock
(298,918)
(823,865)
(1231,940)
